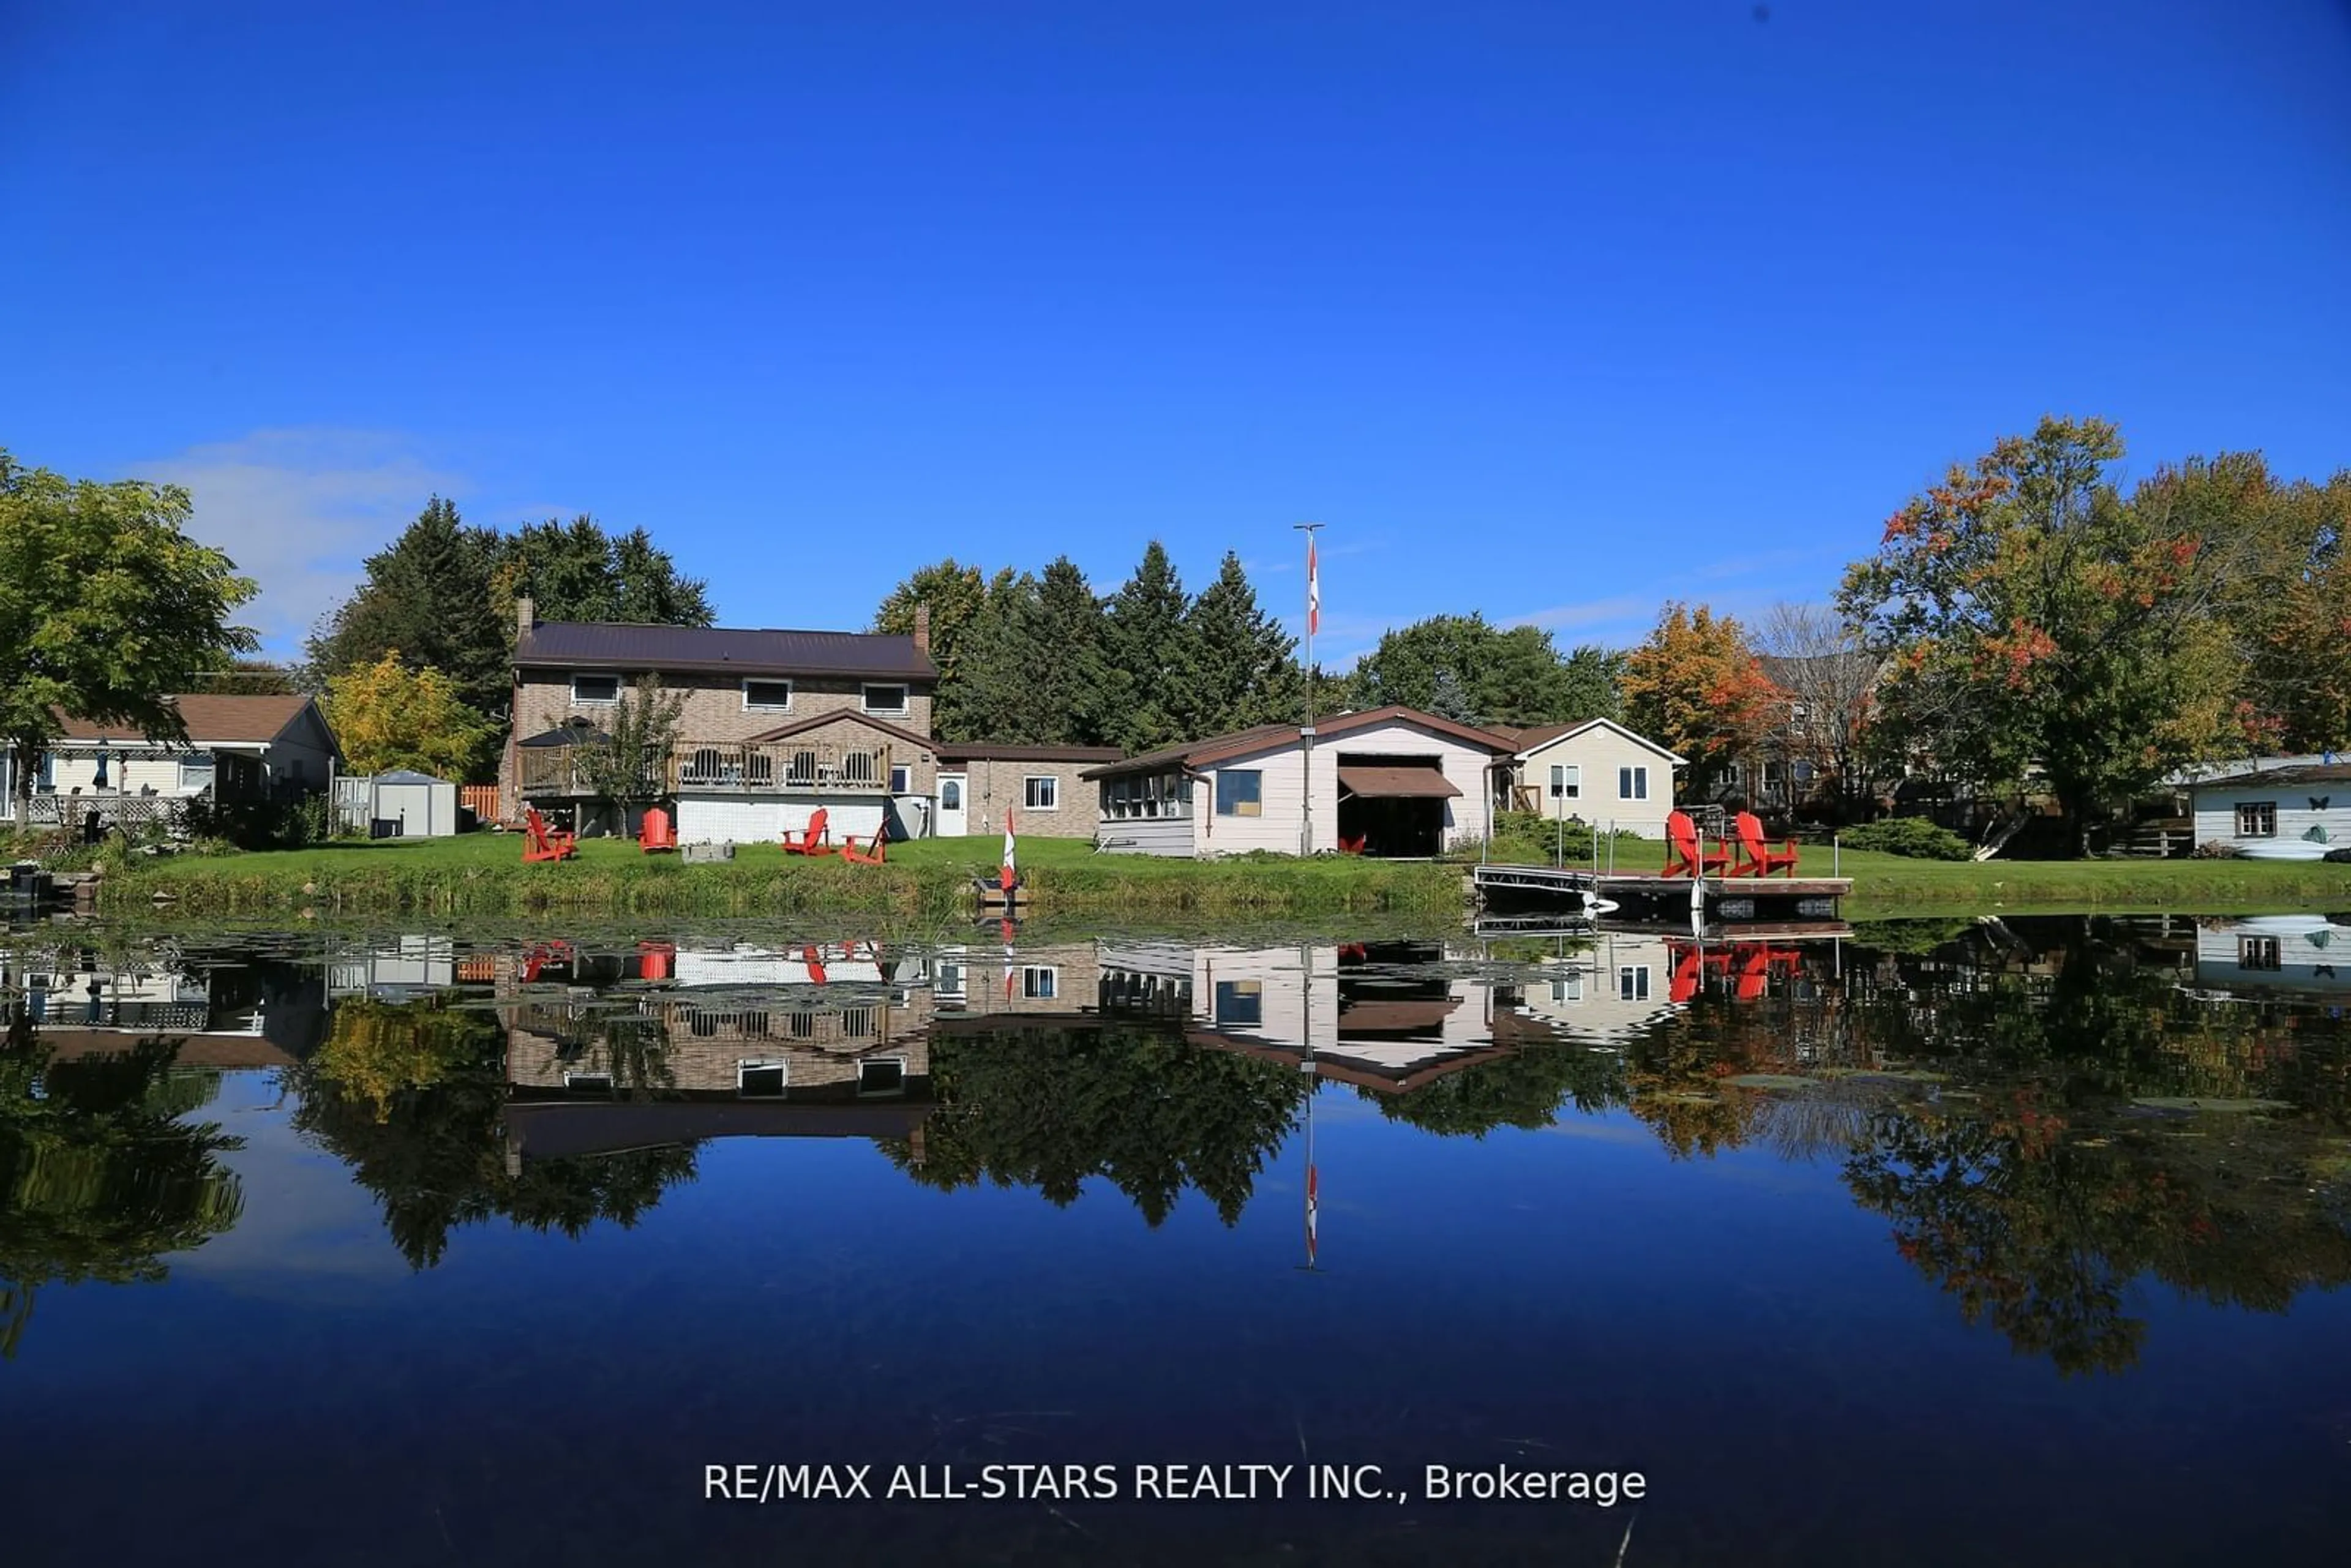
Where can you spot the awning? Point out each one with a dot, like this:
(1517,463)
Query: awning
(1396,783)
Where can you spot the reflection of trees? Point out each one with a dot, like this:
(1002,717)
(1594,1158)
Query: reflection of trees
(414,1095)
(99,1177)
(1049,1107)
(1524,1089)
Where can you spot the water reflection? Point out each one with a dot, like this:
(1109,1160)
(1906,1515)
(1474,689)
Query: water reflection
(2045,1113)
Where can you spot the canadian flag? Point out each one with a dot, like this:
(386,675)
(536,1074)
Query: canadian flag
(1313,590)
(1007,874)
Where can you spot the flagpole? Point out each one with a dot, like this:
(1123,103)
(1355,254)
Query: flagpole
(1306,735)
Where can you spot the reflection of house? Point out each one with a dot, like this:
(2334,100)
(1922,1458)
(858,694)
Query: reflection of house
(398,968)
(257,1014)
(2274,953)
(1611,990)
(238,749)
(1596,770)
(1393,780)
(1374,1015)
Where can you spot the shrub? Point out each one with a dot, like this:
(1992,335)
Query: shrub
(1913,836)
(2215,849)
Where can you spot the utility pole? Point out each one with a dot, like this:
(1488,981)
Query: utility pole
(1306,734)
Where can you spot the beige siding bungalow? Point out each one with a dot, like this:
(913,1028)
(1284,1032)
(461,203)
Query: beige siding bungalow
(1390,781)
(1597,770)
(237,748)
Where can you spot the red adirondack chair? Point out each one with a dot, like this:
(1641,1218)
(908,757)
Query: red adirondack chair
(1353,846)
(1690,858)
(1757,857)
(871,852)
(816,839)
(655,836)
(541,842)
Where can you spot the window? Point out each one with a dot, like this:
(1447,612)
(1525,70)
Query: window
(1632,784)
(595,690)
(588,1083)
(2257,953)
(948,982)
(902,778)
(1240,1002)
(1240,792)
(760,1079)
(1566,781)
(890,699)
(2257,819)
(196,773)
(1633,983)
(1568,991)
(950,794)
(768,697)
(882,1075)
(1039,982)
(1041,792)
(46,776)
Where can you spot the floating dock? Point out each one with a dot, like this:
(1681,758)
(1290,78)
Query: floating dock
(1791,901)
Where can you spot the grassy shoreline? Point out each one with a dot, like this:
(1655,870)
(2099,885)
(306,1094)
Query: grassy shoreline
(483,875)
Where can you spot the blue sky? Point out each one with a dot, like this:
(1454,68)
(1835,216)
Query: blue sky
(1548,311)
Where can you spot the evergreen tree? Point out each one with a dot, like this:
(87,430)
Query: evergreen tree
(1447,698)
(1147,647)
(427,595)
(1512,675)
(955,595)
(1245,665)
(576,571)
(991,696)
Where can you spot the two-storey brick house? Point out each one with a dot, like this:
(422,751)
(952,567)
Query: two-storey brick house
(774,724)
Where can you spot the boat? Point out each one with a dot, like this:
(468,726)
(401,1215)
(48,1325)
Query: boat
(2282,849)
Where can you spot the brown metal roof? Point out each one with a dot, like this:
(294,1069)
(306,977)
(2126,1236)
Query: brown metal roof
(604,645)
(1241,742)
(1398,783)
(981,751)
(1395,1015)
(248,720)
(2293,774)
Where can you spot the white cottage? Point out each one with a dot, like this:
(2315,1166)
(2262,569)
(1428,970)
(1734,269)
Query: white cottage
(1596,769)
(1390,781)
(2295,812)
(237,748)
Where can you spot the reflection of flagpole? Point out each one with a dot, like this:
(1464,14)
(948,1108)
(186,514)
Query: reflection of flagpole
(1313,1082)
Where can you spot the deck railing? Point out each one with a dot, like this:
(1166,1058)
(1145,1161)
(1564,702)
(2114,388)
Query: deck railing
(699,767)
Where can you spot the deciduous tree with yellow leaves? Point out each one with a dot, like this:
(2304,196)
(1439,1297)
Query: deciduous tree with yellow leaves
(388,716)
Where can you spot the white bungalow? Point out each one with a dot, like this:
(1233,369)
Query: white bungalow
(1597,770)
(1390,781)
(238,748)
(2299,811)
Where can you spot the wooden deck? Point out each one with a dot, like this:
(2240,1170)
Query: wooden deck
(1717,899)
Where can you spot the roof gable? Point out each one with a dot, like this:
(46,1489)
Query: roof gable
(606,645)
(1267,736)
(1545,736)
(839,715)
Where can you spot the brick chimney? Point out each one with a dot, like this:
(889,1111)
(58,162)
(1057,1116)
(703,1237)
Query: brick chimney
(922,629)
(525,616)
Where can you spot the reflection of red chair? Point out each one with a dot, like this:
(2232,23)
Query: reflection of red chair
(541,842)
(654,961)
(1687,970)
(813,957)
(871,852)
(1758,858)
(545,956)
(654,834)
(1754,973)
(816,841)
(1353,846)
(1690,858)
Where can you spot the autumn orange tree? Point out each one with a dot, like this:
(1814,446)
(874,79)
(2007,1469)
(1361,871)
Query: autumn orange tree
(1696,687)
(388,716)
(2035,622)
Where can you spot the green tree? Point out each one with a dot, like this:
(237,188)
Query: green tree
(426,598)
(2034,620)
(107,608)
(1245,665)
(955,595)
(251,678)
(1147,647)
(632,766)
(1591,685)
(576,571)
(1512,676)
(1032,669)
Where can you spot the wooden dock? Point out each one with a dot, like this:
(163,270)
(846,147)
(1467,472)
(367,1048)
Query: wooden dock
(1714,900)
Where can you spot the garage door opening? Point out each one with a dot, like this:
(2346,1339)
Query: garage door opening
(1393,807)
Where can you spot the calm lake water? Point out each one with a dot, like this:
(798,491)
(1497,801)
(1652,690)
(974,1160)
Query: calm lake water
(1941,1243)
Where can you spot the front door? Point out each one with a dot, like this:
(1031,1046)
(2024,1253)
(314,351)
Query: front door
(952,816)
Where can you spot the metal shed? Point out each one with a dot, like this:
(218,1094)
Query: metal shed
(402,804)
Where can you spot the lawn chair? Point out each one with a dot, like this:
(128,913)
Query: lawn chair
(541,842)
(1691,857)
(871,852)
(655,836)
(1759,858)
(1353,846)
(815,839)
